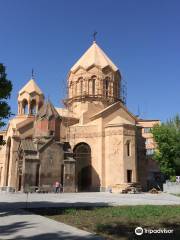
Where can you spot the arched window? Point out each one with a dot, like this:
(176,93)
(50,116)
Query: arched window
(75,89)
(25,106)
(106,87)
(71,89)
(33,107)
(92,85)
(80,86)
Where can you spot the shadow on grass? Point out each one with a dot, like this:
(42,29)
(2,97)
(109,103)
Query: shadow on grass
(48,204)
(117,230)
(114,230)
(125,231)
(62,210)
(15,230)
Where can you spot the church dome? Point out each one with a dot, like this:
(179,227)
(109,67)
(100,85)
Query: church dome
(94,56)
(94,78)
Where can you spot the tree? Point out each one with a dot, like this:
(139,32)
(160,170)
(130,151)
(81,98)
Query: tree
(5,92)
(167,137)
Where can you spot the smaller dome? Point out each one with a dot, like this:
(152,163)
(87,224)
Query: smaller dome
(30,87)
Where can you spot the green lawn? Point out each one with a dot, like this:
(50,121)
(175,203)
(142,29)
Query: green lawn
(119,222)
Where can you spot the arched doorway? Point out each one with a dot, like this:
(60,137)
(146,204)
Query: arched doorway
(82,155)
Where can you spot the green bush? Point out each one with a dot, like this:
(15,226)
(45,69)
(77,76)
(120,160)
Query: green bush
(173,178)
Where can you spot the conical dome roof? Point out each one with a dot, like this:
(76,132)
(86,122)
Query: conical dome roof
(30,87)
(94,56)
(47,111)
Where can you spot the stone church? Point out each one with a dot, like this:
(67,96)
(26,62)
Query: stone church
(94,143)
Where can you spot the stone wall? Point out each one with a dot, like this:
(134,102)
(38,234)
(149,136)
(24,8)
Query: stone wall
(51,161)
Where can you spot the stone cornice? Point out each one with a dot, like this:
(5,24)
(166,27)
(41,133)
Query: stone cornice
(112,132)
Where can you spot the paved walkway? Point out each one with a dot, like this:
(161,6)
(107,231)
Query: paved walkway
(21,225)
(20,200)
(18,224)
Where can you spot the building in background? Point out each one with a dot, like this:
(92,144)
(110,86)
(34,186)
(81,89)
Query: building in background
(153,171)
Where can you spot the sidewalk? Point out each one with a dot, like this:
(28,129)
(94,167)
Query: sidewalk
(21,225)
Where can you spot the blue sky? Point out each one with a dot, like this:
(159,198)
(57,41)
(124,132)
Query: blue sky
(141,37)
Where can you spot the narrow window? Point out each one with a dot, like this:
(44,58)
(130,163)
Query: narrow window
(129,176)
(70,90)
(106,87)
(93,86)
(81,87)
(37,175)
(75,89)
(79,84)
(62,174)
(20,183)
(128,145)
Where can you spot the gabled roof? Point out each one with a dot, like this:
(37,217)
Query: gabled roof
(94,56)
(113,107)
(29,149)
(25,123)
(28,145)
(30,87)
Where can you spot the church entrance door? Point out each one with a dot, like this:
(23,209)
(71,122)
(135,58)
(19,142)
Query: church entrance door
(82,155)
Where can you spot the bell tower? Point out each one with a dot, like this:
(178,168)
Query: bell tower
(94,79)
(30,99)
